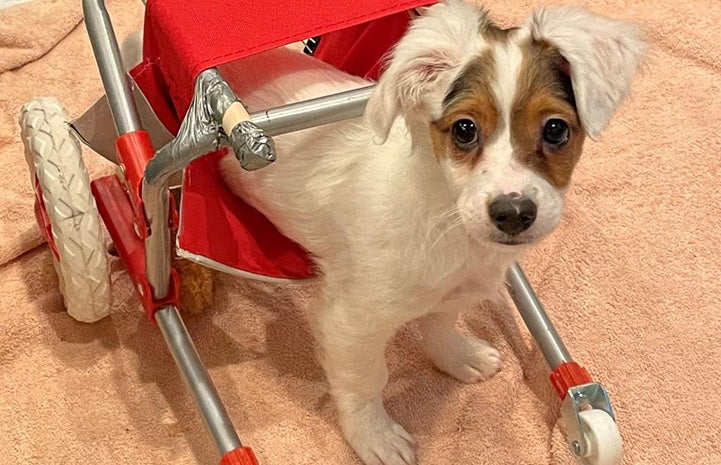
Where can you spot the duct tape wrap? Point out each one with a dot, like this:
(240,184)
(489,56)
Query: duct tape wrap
(202,132)
(252,147)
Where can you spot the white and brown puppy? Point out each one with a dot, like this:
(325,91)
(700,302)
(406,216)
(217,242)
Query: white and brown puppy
(417,211)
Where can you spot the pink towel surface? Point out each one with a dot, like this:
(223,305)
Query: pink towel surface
(632,278)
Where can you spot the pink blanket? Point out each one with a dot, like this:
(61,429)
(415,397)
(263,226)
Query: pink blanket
(632,279)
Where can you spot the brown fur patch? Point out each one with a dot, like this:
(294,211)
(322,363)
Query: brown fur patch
(469,96)
(544,91)
(196,288)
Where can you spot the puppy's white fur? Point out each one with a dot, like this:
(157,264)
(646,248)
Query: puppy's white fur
(397,234)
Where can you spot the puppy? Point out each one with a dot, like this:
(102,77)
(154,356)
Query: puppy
(417,210)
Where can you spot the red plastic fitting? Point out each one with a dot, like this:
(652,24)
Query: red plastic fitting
(116,210)
(568,375)
(239,456)
(134,150)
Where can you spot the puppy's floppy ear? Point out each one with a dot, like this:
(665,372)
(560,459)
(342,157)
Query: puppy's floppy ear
(400,89)
(603,54)
(420,63)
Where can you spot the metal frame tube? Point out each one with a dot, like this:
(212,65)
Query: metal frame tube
(200,130)
(158,247)
(201,387)
(107,55)
(126,119)
(313,112)
(536,319)
(277,121)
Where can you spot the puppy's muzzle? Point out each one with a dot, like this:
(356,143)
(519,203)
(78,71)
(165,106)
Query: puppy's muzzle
(512,213)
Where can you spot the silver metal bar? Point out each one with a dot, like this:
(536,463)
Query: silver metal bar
(107,55)
(125,115)
(200,130)
(196,378)
(276,121)
(198,135)
(536,319)
(158,247)
(313,112)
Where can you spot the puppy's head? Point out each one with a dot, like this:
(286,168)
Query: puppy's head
(506,112)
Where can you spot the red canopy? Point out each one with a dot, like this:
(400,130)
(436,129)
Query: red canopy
(183,39)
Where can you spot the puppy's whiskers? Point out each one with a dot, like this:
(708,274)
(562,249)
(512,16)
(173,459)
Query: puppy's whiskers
(442,225)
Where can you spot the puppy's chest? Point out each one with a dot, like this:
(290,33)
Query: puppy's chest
(478,279)
(484,277)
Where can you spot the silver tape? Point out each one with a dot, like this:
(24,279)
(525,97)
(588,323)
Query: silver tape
(252,147)
(202,132)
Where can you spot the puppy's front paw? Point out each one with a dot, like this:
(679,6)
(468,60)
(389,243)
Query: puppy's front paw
(467,359)
(378,440)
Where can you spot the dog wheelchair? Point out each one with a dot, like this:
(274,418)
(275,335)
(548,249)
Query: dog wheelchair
(175,113)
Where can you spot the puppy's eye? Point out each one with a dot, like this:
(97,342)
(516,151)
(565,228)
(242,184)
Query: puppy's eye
(464,133)
(556,132)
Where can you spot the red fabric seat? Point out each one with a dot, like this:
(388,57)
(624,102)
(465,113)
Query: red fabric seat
(183,39)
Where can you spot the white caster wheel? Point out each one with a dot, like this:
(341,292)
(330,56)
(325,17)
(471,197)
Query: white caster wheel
(603,441)
(54,159)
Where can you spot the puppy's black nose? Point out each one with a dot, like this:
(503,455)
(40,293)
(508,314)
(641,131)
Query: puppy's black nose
(512,213)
